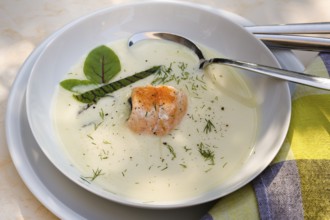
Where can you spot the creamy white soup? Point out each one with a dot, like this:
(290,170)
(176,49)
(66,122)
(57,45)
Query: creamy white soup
(212,141)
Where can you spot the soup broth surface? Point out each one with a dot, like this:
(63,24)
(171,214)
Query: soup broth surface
(211,142)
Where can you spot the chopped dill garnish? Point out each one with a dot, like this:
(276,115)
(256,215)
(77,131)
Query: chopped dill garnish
(194,87)
(170,148)
(90,136)
(186,148)
(183,165)
(104,155)
(207,154)
(96,173)
(182,66)
(200,79)
(124,172)
(208,127)
(185,75)
(161,77)
(206,171)
(97,125)
(166,75)
(83,178)
(101,113)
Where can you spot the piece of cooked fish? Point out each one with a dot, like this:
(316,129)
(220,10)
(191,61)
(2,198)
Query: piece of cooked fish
(156,109)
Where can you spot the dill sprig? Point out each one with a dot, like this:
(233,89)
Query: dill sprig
(183,165)
(90,136)
(171,149)
(208,127)
(124,172)
(104,155)
(207,154)
(163,76)
(166,75)
(101,113)
(186,148)
(96,173)
(96,126)
(182,66)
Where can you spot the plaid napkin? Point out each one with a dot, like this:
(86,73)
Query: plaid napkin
(296,185)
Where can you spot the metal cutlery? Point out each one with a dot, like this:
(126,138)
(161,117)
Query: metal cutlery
(293,36)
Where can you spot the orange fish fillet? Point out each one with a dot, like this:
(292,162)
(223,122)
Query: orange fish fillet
(156,109)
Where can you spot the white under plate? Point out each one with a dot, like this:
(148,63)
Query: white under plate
(63,197)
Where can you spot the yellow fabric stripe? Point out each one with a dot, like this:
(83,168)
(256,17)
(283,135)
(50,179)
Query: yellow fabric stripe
(309,133)
(315,188)
(239,205)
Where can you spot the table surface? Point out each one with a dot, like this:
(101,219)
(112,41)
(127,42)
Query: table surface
(24,24)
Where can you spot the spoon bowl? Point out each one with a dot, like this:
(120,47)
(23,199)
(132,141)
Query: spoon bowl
(292,76)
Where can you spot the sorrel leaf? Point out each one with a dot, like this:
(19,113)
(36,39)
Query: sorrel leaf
(93,96)
(101,65)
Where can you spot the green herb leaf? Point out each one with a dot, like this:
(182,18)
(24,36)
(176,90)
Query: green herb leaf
(206,153)
(93,96)
(101,113)
(72,84)
(209,126)
(171,149)
(101,65)
(96,173)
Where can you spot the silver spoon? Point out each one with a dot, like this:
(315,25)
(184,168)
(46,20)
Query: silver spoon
(292,76)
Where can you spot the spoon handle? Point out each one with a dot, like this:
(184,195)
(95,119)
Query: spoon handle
(297,77)
(295,42)
(288,36)
(298,28)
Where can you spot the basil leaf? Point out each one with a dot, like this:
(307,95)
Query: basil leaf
(101,65)
(94,95)
(71,84)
